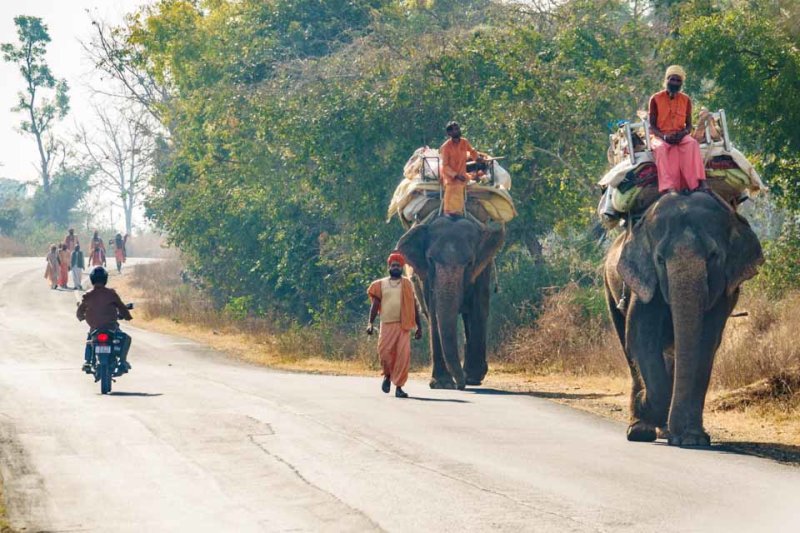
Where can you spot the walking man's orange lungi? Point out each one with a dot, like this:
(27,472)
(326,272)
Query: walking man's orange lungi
(393,297)
(678,159)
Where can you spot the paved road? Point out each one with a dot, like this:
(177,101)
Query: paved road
(192,441)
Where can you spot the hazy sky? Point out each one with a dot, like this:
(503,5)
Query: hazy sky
(68,24)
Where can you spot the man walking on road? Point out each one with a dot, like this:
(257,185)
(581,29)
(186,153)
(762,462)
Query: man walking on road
(77,265)
(393,297)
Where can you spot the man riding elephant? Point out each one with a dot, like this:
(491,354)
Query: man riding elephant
(678,159)
(450,257)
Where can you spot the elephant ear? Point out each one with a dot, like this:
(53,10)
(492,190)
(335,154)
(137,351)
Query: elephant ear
(744,254)
(492,239)
(636,265)
(413,245)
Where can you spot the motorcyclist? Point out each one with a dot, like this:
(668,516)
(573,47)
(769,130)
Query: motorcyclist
(102,307)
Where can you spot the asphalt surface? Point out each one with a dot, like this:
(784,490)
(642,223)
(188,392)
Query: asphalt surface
(193,441)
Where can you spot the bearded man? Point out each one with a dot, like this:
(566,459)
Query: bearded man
(454,154)
(678,159)
(393,297)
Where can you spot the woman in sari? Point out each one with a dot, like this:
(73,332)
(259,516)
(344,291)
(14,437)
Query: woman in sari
(120,253)
(64,257)
(98,251)
(52,270)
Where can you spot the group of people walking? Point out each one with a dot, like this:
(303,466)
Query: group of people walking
(67,257)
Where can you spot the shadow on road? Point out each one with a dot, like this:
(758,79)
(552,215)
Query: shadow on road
(449,400)
(784,453)
(136,394)
(548,395)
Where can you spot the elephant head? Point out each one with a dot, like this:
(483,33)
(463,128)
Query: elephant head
(449,255)
(690,236)
(685,261)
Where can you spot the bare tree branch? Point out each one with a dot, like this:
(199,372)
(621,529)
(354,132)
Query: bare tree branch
(122,153)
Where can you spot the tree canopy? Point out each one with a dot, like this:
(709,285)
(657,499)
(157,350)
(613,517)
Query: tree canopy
(289,122)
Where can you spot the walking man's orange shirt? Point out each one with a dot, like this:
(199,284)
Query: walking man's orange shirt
(454,159)
(408,320)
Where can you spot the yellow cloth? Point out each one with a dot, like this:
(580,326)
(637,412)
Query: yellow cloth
(391,301)
(408,320)
(675,70)
(454,198)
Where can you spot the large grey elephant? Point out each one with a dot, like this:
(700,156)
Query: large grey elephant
(680,270)
(450,257)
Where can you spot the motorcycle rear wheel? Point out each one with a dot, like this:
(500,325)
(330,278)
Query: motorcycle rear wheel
(105,378)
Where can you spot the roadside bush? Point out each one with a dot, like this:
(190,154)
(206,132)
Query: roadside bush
(781,271)
(761,344)
(570,335)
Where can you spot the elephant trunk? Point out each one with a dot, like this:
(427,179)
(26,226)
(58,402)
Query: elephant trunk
(448,294)
(688,294)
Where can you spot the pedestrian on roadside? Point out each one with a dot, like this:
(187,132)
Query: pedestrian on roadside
(77,265)
(71,240)
(393,298)
(63,265)
(97,251)
(51,272)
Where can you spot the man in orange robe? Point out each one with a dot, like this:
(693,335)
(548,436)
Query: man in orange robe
(453,174)
(678,159)
(393,297)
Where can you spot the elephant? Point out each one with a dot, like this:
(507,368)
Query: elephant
(671,283)
(450,257)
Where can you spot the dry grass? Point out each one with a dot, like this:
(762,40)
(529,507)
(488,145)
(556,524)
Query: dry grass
(10,248)
(4,526)
(565,339)
(761,345)
(176,306)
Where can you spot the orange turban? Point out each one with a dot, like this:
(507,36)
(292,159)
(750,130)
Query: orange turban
(396,257)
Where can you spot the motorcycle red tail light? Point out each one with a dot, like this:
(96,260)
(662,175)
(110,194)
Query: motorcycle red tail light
(102,337)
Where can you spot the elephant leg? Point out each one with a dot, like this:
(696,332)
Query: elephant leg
(692,380)
(644,341)
(441,378)
(618,320)
(475,366)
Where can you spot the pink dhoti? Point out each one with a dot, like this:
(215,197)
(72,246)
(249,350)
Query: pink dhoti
(680,166)
(394,349)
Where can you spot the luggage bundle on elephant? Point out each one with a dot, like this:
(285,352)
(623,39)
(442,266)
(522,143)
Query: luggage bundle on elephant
(418,196)
(632,183)
(672,280)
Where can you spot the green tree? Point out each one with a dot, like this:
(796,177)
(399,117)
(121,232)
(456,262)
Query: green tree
(69,185)
(29,55)
(745,57)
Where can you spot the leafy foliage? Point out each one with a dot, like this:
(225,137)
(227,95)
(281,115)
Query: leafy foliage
(289,123)
(68,187)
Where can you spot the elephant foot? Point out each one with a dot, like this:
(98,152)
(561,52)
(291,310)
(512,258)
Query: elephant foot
(461,386)
(448,384)
(641,432)
(472,382)
(693,438)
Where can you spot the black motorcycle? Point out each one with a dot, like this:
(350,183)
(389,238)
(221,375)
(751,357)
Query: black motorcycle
(106,360)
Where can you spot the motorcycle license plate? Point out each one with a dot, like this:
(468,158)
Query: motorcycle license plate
(102,349)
